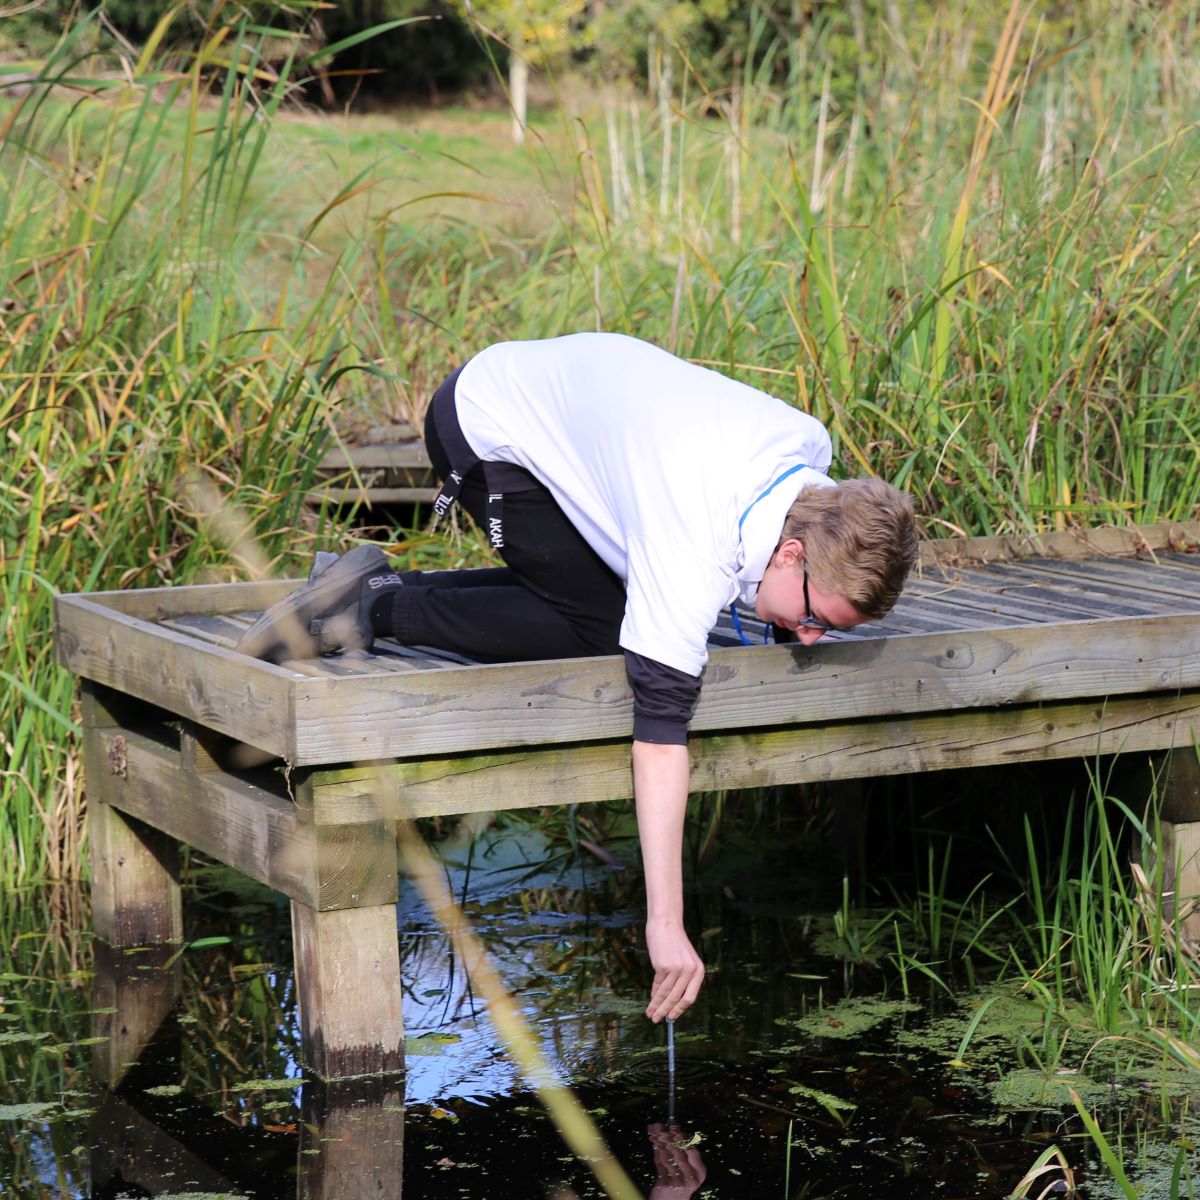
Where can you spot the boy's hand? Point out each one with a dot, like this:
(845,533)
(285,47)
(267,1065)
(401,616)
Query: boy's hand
(678,971)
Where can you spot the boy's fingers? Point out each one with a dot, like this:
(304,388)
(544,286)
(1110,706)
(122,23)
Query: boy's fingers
(673,994)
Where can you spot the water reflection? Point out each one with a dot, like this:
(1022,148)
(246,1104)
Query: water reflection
(340,1141)
(678,1167)
(197,1086)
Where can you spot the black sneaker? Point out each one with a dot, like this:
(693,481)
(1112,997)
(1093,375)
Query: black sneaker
(330,613)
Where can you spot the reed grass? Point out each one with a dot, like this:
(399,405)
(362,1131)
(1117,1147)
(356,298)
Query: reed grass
(993,303)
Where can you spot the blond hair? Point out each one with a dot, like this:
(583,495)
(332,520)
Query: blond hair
(860,540)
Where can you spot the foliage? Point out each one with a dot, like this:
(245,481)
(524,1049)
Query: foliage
(186,272)
(136,351)
(541,31)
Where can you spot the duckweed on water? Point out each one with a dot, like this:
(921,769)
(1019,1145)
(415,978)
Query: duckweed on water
(1007,1019)
(622,1006)
(16,1038)
(204,1196)
(267,1085)
(1030,1090)
(26,1112)
(430,1043)
(849,1018)
(831,1104)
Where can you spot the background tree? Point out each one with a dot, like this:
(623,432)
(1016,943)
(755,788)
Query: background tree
(536,33)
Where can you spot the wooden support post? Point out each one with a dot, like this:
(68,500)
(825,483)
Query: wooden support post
(356,1129)
(1178,788)
(135,868)
(135,880)
(348,983)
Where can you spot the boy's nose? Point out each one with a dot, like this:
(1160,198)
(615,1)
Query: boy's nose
(808,635)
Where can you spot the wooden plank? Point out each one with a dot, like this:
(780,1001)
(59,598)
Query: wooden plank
(988,602)
(1178,786)
(1180,848)
(136,897)
(1160,580)
(370,494)
(398,454)
(1072,544)
(226,629)
(247,699)
(259,833)
(217,629)
(961,611)
(1035,605)
(1136,595)
(162,603)
(135,866)
(798,754)
(506,705)
(348,983)
(943,614)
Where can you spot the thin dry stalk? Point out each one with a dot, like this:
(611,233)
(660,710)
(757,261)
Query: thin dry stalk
(577,1128)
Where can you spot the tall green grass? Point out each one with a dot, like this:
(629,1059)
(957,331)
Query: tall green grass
(151,330)
(975,261)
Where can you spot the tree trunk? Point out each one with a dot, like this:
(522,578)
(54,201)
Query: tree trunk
(518,94)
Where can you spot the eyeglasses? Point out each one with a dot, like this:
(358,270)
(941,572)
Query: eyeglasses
(809,621)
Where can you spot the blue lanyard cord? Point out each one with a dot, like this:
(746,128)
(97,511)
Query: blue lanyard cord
(737,628)
(737,624)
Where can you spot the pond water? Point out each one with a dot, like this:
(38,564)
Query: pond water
(804,1071)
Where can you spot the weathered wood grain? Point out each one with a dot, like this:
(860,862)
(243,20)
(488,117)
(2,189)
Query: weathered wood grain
(256,831)
(506,705)
(370,494)
(1139,577)
(135,865)
(1073,544)
(1095,591)
(218,688)
(1003,590)
(801,754)
(162,603)
(309,717)
(1179,846)
(408,453)
(348,982)
(135,879)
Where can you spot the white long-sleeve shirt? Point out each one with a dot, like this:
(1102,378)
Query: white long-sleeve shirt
(655,461)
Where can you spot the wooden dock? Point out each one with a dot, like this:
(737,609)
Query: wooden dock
(392,468)
(1000,650)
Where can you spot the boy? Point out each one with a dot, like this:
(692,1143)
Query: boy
(632,496)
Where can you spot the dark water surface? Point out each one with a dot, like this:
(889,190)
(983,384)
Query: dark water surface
(800,1073)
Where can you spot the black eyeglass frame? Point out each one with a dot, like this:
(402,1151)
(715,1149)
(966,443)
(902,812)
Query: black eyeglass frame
(809,621)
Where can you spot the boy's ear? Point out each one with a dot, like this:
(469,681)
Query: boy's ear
(789,552)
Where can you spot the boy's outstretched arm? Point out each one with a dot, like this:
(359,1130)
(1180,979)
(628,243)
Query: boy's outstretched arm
(660,783)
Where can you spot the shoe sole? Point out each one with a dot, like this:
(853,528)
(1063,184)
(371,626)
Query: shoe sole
(282,632)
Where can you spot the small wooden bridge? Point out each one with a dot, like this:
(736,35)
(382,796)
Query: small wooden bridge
(1000,650)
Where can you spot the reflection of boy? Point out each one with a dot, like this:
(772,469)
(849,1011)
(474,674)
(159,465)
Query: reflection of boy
(678,1168)
(632,497)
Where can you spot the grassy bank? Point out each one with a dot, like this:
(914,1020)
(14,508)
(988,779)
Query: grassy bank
(987,291)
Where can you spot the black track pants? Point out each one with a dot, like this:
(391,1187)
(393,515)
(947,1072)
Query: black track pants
(554,598)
